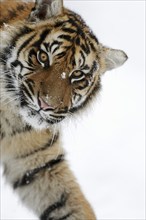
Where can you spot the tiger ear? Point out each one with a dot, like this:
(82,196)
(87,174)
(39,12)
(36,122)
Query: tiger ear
(45,9)
(113,58)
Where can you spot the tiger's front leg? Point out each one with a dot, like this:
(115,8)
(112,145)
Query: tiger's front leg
(35,166)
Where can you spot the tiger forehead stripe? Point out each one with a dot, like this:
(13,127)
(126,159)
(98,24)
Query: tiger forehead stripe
(94,67)
(55,45)
(42,37)
(25,44)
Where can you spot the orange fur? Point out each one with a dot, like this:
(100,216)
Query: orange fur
(16,11)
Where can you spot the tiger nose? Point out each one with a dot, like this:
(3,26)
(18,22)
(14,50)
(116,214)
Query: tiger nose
(44,105)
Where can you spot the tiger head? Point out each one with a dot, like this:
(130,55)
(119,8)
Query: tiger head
(54,64)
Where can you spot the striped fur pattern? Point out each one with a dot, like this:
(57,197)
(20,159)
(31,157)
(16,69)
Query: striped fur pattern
(51,64)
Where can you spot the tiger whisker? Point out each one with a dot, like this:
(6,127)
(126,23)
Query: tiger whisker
(12,100)
(70,113)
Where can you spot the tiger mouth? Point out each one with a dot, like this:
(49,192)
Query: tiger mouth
(41,118)
(46,111)
(49,117)
(55,121)
(41,112)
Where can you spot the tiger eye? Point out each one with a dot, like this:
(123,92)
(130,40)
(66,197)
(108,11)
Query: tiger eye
(77,74)
(43,57)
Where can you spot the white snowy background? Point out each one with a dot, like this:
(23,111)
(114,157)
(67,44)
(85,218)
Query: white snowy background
(105,147)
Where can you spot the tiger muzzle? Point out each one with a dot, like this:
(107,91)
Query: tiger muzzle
(53,92)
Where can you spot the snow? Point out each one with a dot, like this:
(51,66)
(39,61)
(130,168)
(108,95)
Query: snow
(63,75)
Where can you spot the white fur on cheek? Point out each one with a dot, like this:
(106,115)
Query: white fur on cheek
(35,121)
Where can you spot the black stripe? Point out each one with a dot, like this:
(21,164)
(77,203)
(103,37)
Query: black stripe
(54,121)
(57,205)
(69,30)
(57,117)
(10,86)
(77,41)
(93,37)
(65,216)
(72,56)
(96,89)
(5,54)
(62,111)
(25,44)
(17,63)
(30,175)
(55,49)
(31,53)
(81,83)
(85,48)
(82,54)
(77,18)
(94,67)
(25,30)
(67,47)
(9,77)
(55,43)
(84,83)
(23,102)
(60,55)
(27,128)
(2,134)
(30,85)
(92,46)
(86,67)
(60,23)
(41,38)
(28,68)
(65,37)
(47,45)
(26,92)
(73,23)
(50,143)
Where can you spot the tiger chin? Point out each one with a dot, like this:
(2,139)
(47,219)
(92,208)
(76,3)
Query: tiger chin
(51,66)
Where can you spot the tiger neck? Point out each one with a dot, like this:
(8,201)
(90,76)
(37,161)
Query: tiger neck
(13,131)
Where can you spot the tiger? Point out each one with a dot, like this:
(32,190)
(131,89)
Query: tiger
(51,64)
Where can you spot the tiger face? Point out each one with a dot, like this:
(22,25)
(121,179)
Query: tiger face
(54,64)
